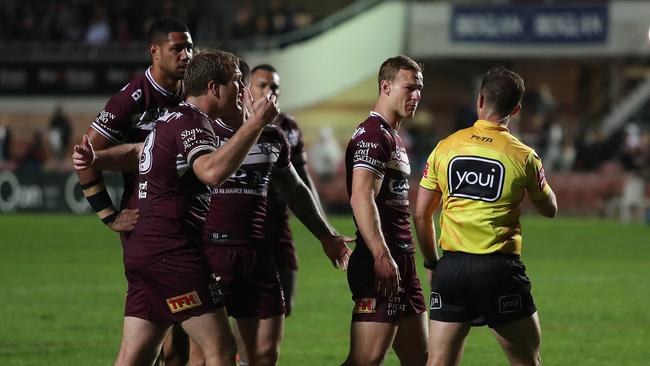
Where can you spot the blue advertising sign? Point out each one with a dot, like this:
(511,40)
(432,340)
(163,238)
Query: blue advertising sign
(524,24)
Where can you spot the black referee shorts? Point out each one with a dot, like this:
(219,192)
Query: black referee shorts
(490,289)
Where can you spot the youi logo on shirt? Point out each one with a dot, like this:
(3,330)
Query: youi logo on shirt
(475,178)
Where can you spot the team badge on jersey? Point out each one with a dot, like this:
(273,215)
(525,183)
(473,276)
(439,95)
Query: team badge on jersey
(183,302)
(365,306)
(475,178)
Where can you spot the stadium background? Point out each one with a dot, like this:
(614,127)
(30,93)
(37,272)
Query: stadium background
(586,111)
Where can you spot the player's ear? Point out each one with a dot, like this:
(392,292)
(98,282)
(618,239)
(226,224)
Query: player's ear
(385,87)
(480,101)
(213,89)
(154,51)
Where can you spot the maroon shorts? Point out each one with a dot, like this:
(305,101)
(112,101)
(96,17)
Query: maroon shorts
(172,290)
(370,306)
(249,280)
(285,254)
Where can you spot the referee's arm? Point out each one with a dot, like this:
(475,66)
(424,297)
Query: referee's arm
(426,204)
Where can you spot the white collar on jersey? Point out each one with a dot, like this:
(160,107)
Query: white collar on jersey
(155,85)
(222,124)
(375,114)
(186,103)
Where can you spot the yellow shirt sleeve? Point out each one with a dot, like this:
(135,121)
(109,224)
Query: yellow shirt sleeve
(536,185)
(430,174)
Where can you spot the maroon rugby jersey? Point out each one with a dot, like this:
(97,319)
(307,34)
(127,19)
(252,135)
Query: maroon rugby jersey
(278,211)
(172,201)
(377,147)
(238,207)
(130,115)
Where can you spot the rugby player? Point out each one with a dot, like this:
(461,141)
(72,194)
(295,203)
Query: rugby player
(169,280)
(389,304)
(130,115)
(237,240)
(127,118)
(265,80)
(481,174)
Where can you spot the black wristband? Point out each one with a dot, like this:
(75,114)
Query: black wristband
(100,201)
(431,266)
(91,184)
(110,218)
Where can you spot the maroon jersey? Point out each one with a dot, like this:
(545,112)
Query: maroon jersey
(238,207)
(172,201)
(130,115)
(376,146)
(278,211)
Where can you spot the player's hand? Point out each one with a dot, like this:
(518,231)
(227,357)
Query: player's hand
(387,276)
(264,110)
(125,220)
(83,155)
(337,250)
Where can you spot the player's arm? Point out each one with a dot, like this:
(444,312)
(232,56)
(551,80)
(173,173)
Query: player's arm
(94,189)
(547,206)
(365,186)
(304,205)
(539,191)
(300,164)
(124,157)
(214,168)
(427,203)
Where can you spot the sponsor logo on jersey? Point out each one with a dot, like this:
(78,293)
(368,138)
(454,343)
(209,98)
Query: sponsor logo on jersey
(104,117)
(183,302)
(136,95)
(481,138)
(475,178)
(426,170)
(509,304)
(398,186)
(436,301)
(142,190)
(367,145)
(365,306)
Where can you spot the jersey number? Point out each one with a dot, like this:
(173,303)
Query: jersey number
(146,159)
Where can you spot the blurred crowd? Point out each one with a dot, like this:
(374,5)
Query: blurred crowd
(97,22)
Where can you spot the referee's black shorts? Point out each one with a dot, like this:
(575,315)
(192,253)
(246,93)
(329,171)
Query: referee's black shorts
(490,289)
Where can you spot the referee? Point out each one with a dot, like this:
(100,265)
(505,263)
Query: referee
(480,174)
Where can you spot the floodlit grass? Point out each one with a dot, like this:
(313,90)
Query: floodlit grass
(63,289)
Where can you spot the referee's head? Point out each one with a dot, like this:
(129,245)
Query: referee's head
(500,95)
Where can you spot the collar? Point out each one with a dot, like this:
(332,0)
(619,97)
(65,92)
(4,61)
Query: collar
(155,85)
(488,125)
(383,120)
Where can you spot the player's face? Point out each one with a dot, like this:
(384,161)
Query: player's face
(175,53)
(406,92)
(233,96)
(264,83)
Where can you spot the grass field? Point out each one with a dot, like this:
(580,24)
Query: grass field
(63,288)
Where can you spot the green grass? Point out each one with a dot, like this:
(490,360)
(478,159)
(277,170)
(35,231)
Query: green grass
(63,288)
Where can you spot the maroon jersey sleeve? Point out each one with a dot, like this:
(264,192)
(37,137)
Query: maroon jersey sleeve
(114,121)
(196,138)
(370,150)
(284,159)
(295,138)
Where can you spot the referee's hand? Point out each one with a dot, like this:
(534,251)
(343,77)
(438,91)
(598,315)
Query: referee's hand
(386,275)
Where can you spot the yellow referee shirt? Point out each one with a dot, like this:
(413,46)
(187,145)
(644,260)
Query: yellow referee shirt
(483,172)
